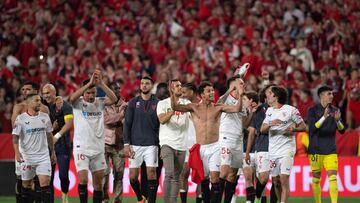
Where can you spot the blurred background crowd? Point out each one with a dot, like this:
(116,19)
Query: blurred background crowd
(300,44)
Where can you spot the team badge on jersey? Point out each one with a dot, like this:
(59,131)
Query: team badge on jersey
(43,120)
(137,105)
(27,123)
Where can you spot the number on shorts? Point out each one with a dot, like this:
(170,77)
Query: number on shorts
(260,159)
(225,150)
(81,157)
(26,167)
(314,158)
(272,164)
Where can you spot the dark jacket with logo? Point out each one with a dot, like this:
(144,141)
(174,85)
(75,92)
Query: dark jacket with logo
(141,126)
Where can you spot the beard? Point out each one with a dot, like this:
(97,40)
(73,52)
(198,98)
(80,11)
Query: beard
(145,92)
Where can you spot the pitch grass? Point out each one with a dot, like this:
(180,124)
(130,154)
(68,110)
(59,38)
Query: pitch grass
(192,199)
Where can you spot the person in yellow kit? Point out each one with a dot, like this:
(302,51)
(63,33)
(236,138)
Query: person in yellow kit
(323,121)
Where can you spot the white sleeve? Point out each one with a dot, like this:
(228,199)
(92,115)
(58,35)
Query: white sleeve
(17,127)
(49,127)
(161,107)
(296,116)
(78,103)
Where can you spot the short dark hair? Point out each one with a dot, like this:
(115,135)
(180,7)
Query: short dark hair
(230,80)
(324,88)
(190,86)
(173,80)
(148,78)
(280,93)
(262,95)
(86,82)
(29,96)
(252,95)
(33,84)
(162,85)
(203,85)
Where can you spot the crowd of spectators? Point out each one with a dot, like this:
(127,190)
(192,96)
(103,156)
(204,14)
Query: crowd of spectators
(300,44)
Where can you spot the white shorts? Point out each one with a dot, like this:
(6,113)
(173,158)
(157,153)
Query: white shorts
(281,165)
(210,156)
(149,154)
(262,162)
(17,168)
(252,161)
(92,163)
(231,156)
(28,171)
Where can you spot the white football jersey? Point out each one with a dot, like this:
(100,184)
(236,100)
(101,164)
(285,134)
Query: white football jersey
(32,131)
(279,144)
(89,126)
(231,125)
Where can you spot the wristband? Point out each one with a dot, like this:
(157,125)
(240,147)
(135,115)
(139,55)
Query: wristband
(320,122)
(339,125)
(57,135)
(126,144)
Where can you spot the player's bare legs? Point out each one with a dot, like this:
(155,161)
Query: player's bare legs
(249,185)
(277,183)
(285,189)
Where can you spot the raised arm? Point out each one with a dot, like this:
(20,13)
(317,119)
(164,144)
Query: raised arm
(179,107)
(78,93)
(235,108)
(111,97)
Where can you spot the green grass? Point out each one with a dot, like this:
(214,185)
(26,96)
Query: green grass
(191,199)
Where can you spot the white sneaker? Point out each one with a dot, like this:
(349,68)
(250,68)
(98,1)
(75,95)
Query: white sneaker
(233,199)
(243,69)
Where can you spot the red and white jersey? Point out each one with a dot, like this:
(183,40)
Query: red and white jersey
(231,125)
(89,126)
(32,131)
(280,144)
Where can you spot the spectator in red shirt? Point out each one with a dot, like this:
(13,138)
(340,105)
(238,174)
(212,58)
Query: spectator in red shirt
(26,50)
(304,102)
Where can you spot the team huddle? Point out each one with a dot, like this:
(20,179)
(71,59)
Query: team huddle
(180,128)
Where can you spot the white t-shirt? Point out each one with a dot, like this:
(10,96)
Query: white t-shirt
(173,133)
(89,126)
(32,131)
(231,125)
(279,144)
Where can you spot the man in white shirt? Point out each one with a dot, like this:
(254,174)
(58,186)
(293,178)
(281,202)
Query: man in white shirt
(32,133)
(89,134)
(281,122)
(172,138)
